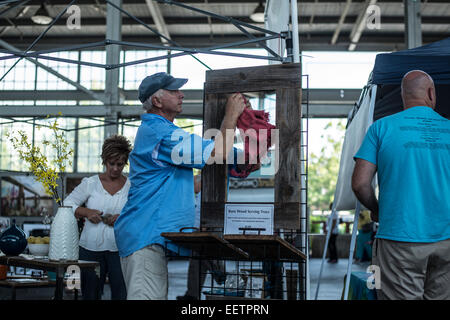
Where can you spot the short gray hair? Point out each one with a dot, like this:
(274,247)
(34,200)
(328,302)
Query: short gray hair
(147,105)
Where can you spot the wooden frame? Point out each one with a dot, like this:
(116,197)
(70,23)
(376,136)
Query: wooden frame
(285,81)
(265,247)
(206,244)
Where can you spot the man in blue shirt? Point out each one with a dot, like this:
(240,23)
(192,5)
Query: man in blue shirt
(411,152)
(161,196)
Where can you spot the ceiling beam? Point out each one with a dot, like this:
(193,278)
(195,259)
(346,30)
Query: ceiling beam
(190,96)
(193,111)
(175,21)
(413,30)
(112,77)
(21,13)
(158,19)
(326,110)
(360,25)
(319,96)
(94,95)
(189,111)
(341,22)
(323,103)
(132,2)
(318,41)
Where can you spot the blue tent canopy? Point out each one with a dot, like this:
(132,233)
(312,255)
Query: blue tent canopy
(433,58)
(389,69)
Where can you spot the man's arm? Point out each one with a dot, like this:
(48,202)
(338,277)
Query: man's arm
(224,142)
(363,174)
(190,150)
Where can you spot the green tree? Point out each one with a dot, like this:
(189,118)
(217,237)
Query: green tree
(323,168)
(185,124)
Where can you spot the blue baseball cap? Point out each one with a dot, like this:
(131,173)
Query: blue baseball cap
(160,80)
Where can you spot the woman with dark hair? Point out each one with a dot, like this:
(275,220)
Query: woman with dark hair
(98,200)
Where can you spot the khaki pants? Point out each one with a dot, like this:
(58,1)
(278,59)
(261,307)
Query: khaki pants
(413,271)
(145,273)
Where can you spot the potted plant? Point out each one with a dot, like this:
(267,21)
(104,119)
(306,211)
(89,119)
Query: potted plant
(64,229)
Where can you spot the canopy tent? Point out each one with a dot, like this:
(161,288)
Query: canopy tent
(433,58)
(380,98)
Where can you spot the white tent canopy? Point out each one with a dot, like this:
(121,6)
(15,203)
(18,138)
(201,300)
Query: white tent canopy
(344,198)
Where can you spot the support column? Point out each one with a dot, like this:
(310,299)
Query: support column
(295,37)
(76,145)
(413,27)
(112,92)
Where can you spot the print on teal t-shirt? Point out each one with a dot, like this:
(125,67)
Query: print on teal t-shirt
(412,152)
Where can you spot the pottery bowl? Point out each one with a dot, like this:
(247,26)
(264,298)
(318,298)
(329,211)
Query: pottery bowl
(38,249)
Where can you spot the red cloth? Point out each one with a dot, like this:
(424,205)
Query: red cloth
(256,130)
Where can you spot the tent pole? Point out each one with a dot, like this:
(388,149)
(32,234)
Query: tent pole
(358,204)
(352,248)
(329,223)
(295,39)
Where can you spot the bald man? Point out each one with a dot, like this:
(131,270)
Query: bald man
(410,152)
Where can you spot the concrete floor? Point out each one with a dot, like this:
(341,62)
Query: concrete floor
(332,280)
(331,284)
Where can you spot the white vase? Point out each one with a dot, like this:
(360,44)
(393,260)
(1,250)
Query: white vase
(64,236)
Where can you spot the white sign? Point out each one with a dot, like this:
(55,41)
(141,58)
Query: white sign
(253,219)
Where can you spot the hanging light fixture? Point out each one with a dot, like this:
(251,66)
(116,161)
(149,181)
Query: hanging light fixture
(258,14)
(41,16)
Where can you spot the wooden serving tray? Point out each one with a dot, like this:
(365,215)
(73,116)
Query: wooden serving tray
(265,246)
(206,244)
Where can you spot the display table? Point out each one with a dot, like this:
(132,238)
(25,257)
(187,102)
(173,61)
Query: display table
(59,267)
(22,283)
(206,244)
(269,249)
(265,247)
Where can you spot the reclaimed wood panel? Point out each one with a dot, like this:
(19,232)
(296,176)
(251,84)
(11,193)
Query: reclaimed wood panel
(250,79)
(265,247)
(285,80)
(206,244)
(45,264)
(287,179)
(214,177)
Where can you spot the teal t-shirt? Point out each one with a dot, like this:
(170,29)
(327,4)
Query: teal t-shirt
(411,150)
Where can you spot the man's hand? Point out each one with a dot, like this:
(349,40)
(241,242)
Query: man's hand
(236,104)
(247,104)
(224,141)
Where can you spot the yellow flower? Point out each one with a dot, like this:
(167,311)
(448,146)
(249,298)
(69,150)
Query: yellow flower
(46,172)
